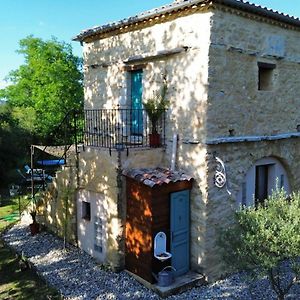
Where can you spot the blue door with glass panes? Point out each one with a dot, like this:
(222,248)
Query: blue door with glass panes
(136,102)
(180,231)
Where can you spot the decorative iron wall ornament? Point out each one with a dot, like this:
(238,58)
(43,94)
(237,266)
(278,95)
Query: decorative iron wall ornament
(220,175)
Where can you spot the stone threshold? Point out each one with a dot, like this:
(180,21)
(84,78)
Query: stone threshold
(180,285)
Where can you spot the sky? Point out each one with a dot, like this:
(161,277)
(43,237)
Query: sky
(64,19)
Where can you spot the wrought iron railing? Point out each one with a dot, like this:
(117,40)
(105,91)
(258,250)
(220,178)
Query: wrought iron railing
(46,159)
(124,128)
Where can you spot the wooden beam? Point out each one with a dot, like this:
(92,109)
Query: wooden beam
(154,56)
(252,138)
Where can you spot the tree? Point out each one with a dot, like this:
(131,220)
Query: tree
(46,86)
(13,146)
(266,239)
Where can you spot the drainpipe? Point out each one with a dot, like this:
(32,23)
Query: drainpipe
(174,151)
(120,199)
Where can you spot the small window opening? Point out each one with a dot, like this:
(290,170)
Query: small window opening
(265,76)
(86,210)
(231,132)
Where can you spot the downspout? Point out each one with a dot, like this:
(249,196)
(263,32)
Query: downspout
(77,175)
(66,200)
(120,199)
(174,151)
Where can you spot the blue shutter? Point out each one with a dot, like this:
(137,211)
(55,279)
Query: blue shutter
(136,102)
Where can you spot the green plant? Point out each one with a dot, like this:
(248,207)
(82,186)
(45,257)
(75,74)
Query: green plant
(23,262)
(266,241)
(34,226)
(45,87)
(33,215)
(156,106)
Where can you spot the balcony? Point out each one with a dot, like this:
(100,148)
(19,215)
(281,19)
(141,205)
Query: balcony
(123,128)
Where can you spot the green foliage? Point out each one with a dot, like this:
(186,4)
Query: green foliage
(42,91)
(156,106)
(26,118)
(13,145)
(46,87)
(263,237)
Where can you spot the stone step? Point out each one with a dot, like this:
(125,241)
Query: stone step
(181,284)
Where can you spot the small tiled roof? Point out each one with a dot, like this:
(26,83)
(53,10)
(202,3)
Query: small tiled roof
(156,176)
(179,5)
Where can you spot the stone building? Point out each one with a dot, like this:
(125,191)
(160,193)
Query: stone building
(232,74)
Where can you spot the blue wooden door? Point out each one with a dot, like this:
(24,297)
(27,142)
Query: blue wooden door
(136,102)
(180,231)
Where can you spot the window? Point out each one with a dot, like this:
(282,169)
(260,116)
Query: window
(98,227)
(86,210)
(261,179)
(265,76)
(244,194)
(262,174)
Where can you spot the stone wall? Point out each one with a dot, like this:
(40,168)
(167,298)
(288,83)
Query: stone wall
(213,92)
(57,206)
(238,43)
(106,87)
(186,75)
(102,184)
(238,159)
(98,178)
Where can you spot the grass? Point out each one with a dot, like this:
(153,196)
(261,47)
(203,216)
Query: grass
(14,283)
(9,211)
(17,284)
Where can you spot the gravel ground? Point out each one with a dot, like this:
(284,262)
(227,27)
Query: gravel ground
(76,275)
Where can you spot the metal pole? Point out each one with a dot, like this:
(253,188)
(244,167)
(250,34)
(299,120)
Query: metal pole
(31,166)
(19,206)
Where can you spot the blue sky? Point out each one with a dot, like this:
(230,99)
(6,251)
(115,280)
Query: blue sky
(65,18)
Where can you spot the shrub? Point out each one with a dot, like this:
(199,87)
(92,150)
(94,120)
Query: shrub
(263,238)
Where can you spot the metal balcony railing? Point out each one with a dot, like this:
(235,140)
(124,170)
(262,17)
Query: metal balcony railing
(124,128)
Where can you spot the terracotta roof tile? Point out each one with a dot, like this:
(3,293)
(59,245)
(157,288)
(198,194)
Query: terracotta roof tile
(156,176)
(178,5)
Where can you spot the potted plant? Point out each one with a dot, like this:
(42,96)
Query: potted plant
(34,226)
(155,107)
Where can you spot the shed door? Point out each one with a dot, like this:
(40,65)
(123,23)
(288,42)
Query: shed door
(180,224)
(136,102)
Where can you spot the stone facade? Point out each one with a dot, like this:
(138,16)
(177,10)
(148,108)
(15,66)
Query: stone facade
(57,206)
(105,87)
(102,185)
(238,44)
(237,40)
(213,89)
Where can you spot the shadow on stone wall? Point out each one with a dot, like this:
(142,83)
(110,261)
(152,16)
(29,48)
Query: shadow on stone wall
(58,205)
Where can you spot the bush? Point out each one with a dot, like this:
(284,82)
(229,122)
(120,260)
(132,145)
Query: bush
(263,238)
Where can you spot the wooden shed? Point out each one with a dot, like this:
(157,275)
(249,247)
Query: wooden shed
(157,201)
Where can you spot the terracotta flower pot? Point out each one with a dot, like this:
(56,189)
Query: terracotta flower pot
(154,140)
(34,228)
